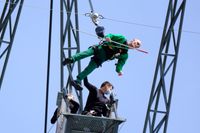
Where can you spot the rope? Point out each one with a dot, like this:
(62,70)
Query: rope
(121,127)
(110,19)
(54,123)
(129,47)
(140,50)
(50,128)
(133,23)
(85,32)
(92,9)
(43,9)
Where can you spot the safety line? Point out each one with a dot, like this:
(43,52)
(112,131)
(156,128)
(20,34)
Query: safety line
(91,6)
(140,50)
(48,66)
(133,23)
(114,20)
(50,128)
(121,127)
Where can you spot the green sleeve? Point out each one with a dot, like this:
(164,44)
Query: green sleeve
(121,61)
(116,37)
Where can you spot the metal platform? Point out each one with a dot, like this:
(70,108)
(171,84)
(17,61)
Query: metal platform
(89,124)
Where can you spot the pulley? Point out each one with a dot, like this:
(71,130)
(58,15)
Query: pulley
(95,17)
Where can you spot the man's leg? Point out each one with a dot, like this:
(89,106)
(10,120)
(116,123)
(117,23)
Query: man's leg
(77,83)
(55,116)
(91,66)
(79,56)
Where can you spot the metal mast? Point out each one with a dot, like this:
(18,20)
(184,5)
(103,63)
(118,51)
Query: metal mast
(69,42)
(162,88)
(69,45)
(8,26)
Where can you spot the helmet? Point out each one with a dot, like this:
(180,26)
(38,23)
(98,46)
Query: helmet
(100,31)
(136,43)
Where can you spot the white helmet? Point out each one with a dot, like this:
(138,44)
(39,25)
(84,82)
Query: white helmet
(135,43)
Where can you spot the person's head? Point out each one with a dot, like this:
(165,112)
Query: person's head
(100,31)
(135,43)
(70,96)
(106,87)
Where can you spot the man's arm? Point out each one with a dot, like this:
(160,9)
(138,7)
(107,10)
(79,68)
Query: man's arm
(121,61)
(89,86)
(75,106)
(115,37)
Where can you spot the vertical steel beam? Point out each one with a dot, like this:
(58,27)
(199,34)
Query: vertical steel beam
(69,45)
(70,42)
(161,93)
(8,26)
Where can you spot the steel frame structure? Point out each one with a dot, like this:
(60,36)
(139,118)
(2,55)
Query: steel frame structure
(8,26)
(90,124)
(161,93)
(69,44)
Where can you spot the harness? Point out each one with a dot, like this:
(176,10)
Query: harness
(111,52)
(96,58)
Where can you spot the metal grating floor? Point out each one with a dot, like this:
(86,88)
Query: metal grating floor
(90,124)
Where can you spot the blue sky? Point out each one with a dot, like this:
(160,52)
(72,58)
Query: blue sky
(22,95)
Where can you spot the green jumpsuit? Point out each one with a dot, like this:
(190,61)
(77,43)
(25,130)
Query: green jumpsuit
(102,53)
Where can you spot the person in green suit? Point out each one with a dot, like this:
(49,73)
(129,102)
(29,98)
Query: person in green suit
(114,46)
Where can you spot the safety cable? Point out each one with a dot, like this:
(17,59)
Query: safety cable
(42,8)
(133,23)
(114,20)
(48,65)
(54,123)
(112,41)
(94,16)
(121,127)
(50,128)
(92,9)
(140,50)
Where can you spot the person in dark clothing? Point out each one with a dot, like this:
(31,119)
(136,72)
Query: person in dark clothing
(73,106)
(97,103)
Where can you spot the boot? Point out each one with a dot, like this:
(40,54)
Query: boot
(76,85)
(67,61)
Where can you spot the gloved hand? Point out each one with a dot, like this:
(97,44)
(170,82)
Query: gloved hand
(108,39)
(120,73)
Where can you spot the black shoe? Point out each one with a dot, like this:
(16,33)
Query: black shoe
(54,117)
(67,61)
(76,85)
